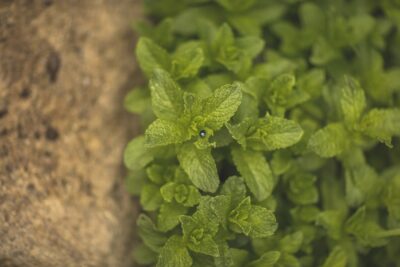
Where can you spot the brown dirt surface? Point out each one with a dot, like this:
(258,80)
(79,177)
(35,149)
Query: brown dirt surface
(64,68)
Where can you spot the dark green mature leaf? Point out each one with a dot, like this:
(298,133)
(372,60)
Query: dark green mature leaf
(200,167)
(255,170)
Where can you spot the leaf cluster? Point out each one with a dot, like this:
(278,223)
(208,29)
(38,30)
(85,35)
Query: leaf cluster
(270,134)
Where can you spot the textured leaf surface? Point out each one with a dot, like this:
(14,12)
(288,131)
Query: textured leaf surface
(255,171)
(200,167)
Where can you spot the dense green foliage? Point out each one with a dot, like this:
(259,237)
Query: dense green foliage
(270,133)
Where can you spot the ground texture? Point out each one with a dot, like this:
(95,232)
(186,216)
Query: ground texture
(64,68)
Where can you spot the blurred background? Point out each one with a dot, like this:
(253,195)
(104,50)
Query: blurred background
(65,66)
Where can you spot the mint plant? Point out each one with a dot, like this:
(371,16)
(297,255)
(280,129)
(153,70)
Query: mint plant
(270,134)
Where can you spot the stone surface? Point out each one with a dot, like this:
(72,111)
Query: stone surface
(64,68)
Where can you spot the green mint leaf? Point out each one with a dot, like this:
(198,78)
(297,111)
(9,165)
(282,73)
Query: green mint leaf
(268,259)
(392,198)
(323,52)
(198,238)
(337,258)
(199,88)
(150,198)
(360,26)
(200,167)
(312,18)
(143,255)
(151,237)
(174,254)
(221,106)
(215,209)
(160,174)
(239,257)
(291,243)
(235,188)
(151,56)
(302,189)
(271,133)
(250,45)
(255,86)
(362,184)
(332,221)
(254,221)
(329,141)
(168,216)
(281,162)
(186,195)
(224,258)
(263,222)
(279,91)
(230,257)
(137,101)
(312,82)
(226,52)
(382,124)
(134,182)
(235,5)
(161,34)
(166,96)
(365,229)
(308,213)
(163,132)
(136,154)
(187,60)
(352,101)
(289,260)
(224,37)
(255,170)
(239,217)
(240,130)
